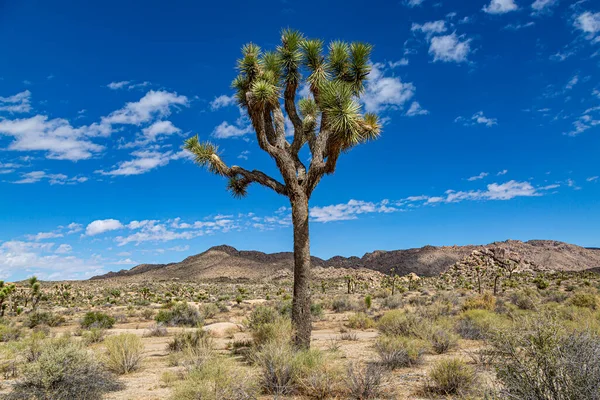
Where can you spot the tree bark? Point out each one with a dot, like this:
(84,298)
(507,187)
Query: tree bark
(301,317)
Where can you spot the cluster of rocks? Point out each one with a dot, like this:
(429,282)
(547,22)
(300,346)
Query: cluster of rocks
(489,265)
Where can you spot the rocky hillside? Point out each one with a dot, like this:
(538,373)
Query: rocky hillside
(226,262)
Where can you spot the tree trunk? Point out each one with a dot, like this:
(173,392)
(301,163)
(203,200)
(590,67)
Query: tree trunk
(301,317)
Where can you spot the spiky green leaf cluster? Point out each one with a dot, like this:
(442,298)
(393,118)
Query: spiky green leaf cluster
(205,154)
(238,186)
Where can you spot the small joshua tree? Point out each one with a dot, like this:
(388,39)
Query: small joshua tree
(329,121)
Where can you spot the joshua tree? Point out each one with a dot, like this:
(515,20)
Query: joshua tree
(329,121)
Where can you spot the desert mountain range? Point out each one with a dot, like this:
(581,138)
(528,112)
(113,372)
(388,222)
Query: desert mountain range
(226,262)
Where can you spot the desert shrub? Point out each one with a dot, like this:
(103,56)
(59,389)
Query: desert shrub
(484,301)
(63,371)
(316,310)
(524,300)
(220,379)
(124,353)
(321,382)
(42,318)
(96,319)
(393,302)
(180,314)
(209,310)
(435,310)
(277,368)
(477,324)
(190,339)
(147,314)
(442,340)
(541,283)
(544,361)
(449,377)
(360,320)
(156,330)
(365,383)
(279,331)
(398,352)
(94,335)
(401,323)
(262,315)
(584,300)
(368,301)
(343,304)
(9,333)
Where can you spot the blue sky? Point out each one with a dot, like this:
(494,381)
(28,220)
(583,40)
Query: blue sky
(491,110)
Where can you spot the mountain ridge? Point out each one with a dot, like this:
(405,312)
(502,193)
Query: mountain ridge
(227,262)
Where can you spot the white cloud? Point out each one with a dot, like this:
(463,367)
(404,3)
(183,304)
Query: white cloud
(117,85)
(74,228)
(572,82)
(494,191)
(518,27)
(102,225)
(143,161)
(430,28)
(53,179)
(413,3)
(478,177)
(478,118)
(450,48)
(503,172)
(400,63)
(38,259)
(592,179)
(64,249)
(225,130)
(416,109)
(500,7)
(349,211)
(543,6)
(154,103)
(159,128)
(19,103)
(383,92)
(582,124)
(223,101)
(588,23)
(44,235)
(126,261)
(179,248)
(56,136)
(244,155)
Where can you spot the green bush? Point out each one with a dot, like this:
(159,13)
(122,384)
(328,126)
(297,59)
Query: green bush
(190,339)
(94,335)
(63,371)
(220,379)
(401,323)
(262,315)
(477,324)
(542,360)
(279,331)
(443,340)
(36,318)
(585,300)
(9,333)
(450,377)
(180,314)
(484,301)
(365,383)
(360,320)
(399,352)
(124,353)
(96,319)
